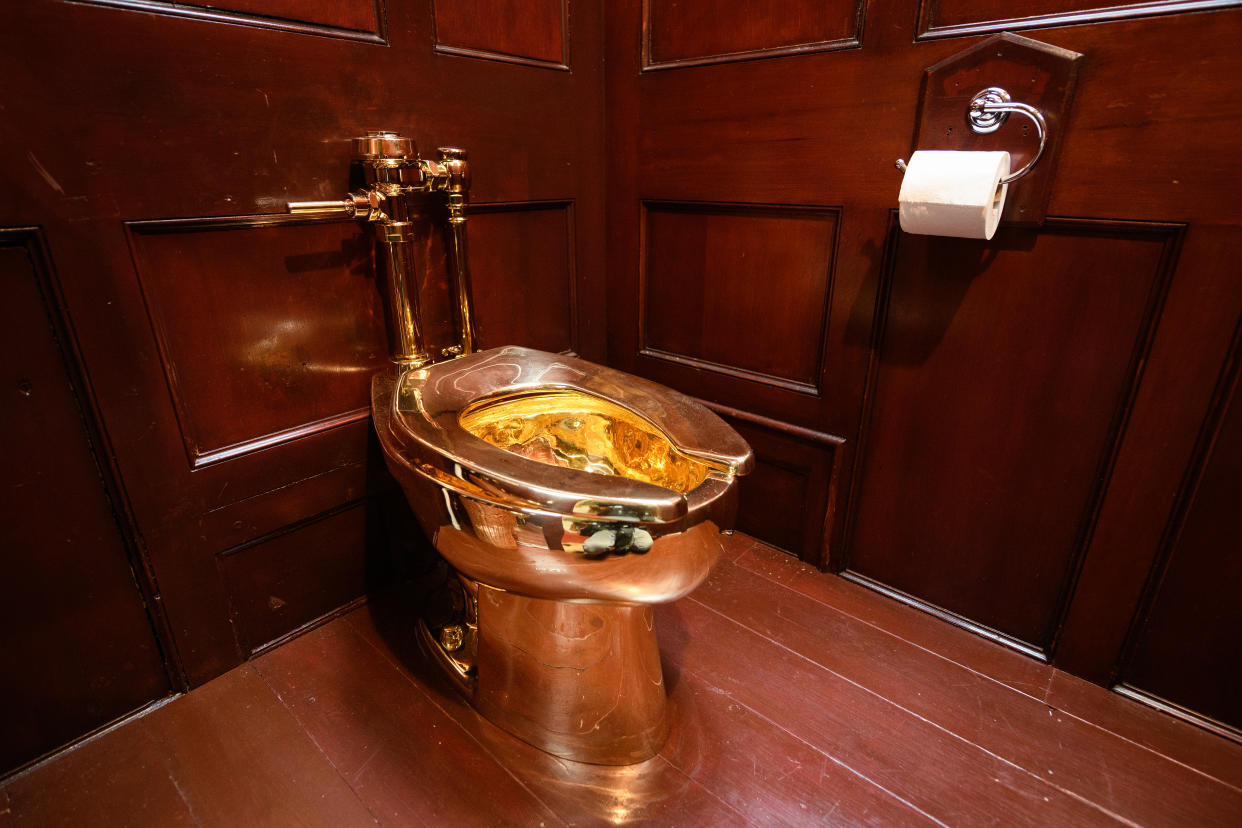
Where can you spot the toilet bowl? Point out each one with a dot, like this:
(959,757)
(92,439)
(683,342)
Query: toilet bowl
(568,498)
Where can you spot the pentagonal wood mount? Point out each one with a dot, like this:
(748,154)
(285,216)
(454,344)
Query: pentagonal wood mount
(1031,72)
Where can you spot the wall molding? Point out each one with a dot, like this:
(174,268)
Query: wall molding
(953,618)
(927,30)
(562,65)
(377,36)
(652,64)
(1227,386)
(1178,712)
(199,457)
(810,387)
(809,435)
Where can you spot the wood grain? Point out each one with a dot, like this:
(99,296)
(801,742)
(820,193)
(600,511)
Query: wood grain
(77,647)
(777,719)
(693,34)
(534,32)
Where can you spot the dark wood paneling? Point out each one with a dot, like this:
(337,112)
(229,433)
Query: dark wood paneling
(998,403)
(957,18)
(1194,619)
(532,32)
(711,271)
(825,128)
(687,33)
(524,280)
(265,335)
(785,499)
(349,19)
(76,646)
(284,580)
(234,121)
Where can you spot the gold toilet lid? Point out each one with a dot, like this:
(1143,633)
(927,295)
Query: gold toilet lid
(561,435)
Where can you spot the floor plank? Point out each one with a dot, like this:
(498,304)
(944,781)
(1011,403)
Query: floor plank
(227,754)
(940,774)
(120,778)
(796,698)
(1001,664)
(1097,765)
(238,758)
(407,761)
(1206,752)
(767,774)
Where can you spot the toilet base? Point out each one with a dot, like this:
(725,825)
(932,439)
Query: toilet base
(577,679)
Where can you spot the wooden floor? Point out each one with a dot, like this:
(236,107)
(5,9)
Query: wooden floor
(798,699)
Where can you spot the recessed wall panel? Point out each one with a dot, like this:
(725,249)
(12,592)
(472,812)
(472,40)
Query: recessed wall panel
(77,648)
(738,289)
(267,332)
(350,19)
(1005,376)
(785,499)
(284,580)
(951,18)
(518,31)
(522,269)
(1186,644)
(693,32)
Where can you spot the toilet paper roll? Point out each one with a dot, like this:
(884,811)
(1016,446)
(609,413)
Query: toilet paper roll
(947,193)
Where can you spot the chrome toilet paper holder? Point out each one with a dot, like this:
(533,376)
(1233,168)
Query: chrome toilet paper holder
(988,110)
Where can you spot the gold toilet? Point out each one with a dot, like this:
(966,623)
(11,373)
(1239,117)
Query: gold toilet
(567,497)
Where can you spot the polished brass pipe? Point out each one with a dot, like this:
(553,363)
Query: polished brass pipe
(394,172)
(457,187)
(405,329)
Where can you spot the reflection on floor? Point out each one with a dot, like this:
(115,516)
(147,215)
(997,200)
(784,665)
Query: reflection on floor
(798,699)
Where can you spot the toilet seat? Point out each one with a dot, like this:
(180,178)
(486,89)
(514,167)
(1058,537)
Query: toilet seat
(423,424)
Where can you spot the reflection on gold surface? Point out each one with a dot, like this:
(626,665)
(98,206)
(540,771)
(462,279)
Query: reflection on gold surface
(579,431)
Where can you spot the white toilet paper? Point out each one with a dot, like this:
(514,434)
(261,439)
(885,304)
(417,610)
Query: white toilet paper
(947,193)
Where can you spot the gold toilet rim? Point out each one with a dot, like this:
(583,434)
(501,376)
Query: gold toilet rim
(421,411)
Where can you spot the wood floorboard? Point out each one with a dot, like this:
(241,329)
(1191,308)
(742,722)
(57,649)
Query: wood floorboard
(797,699)
(1002,664)
(238,758)
(408,762)
(1099,767)
(1194,747)
(766,773)
(227,754)
(940,774)
(118,779)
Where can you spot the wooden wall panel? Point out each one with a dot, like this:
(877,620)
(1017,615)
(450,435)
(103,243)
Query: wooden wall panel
(77,648)
(1185,647)
(688,33)
(713,271)
(533,32)
(998,402)
(283,580)
(787,497)
(957,18)
(1086,458)
(350,19)
(244,341)
(524,279)
(267,331)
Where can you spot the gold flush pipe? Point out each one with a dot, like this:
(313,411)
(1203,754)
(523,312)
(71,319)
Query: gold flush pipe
(394,172)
